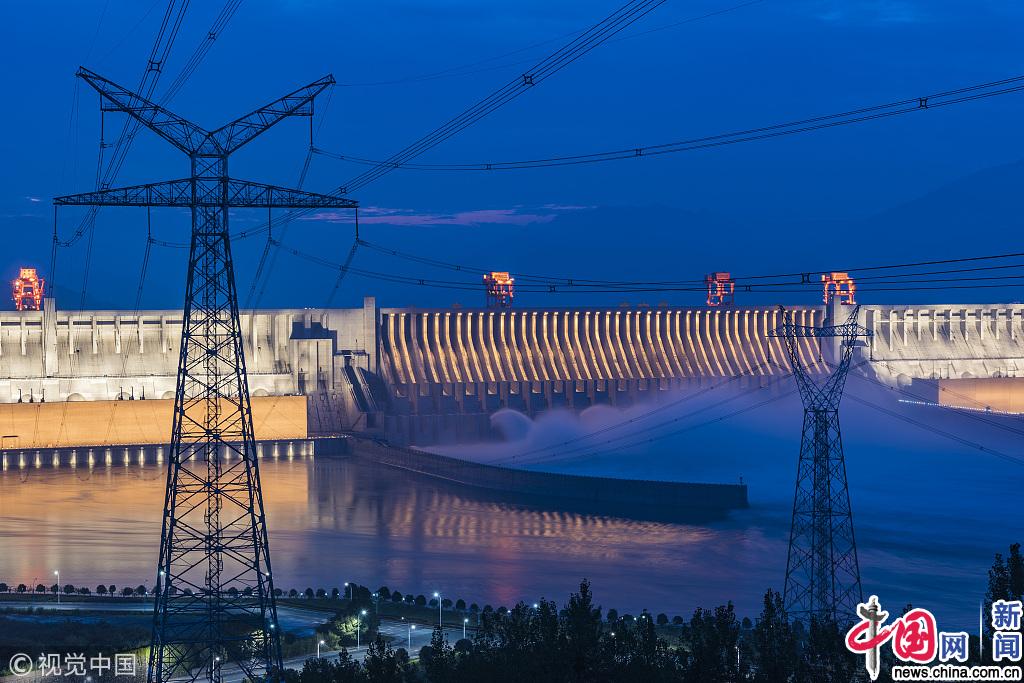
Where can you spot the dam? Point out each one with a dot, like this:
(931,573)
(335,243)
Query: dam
(421,376)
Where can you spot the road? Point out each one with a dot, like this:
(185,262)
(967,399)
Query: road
(294,619)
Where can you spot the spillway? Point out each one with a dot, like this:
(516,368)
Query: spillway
(429,375)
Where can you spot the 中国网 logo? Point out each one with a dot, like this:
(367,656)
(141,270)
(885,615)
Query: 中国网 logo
(915,636)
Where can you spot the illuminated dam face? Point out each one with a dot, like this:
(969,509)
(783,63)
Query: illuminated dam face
(429,375)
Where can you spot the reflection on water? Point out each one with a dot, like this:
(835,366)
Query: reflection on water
(338,519)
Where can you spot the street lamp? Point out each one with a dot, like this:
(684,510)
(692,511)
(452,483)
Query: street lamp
(359,624)
(348,589)
(412,627)
(57,572)
(216,660)
(318,644)
(438,596)
(464,622)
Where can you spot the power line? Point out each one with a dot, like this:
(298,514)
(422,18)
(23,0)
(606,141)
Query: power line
(638,418)
(571,286)
(699,284)
(597,34)
(469,70)
(688,428)
(939,431)
(904,106)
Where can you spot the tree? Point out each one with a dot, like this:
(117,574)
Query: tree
(712,637)
(343,669)
(321,593)
(22,588)
(421,600)
(396,597)
(335,593)
(433,602)
(308,593)
(4,588)
(460,605)
(111,589)
(40,588)
(381,663)
(775,642)
(677,620)
(84,590)
(278,592)
(662,619)
(384,592)
(68,589)
(474,607)
(54,589)
(141,590)
(440,666)
(1015,573)
(582,631)
(293,593)
(825,656)
(409,599)
(613,615)
(446,603)
(101,589)
(127,592)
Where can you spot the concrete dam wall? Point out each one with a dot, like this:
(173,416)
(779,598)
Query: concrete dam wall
(429,375)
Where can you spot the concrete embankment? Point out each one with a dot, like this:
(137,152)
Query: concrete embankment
(598,492)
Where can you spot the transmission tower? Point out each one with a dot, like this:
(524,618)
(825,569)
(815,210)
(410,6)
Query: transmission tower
(822,574)
(215,614)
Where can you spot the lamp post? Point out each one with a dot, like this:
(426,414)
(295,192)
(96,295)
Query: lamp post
(318,644)
(216,661)
(359,625)
(57,572)
(348,589)
(464,622)
(437,595)
(412,627)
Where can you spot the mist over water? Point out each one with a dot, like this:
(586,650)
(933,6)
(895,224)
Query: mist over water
(929,511)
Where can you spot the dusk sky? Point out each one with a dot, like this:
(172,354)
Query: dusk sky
(901,189)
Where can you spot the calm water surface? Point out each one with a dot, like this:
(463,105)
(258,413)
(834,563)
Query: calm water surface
(343,519)
(338,519)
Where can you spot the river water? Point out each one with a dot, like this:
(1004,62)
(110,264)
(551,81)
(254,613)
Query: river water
(927,526)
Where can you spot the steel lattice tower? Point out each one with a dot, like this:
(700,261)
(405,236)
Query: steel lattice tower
(215,612)
(822,574)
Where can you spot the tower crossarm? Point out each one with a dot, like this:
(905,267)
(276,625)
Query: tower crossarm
(188,192)
(183,134)
(297,103)
(825,394)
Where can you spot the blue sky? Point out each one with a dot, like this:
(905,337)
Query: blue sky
(826,199)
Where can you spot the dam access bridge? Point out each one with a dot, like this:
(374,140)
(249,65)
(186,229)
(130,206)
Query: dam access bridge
(421,376)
